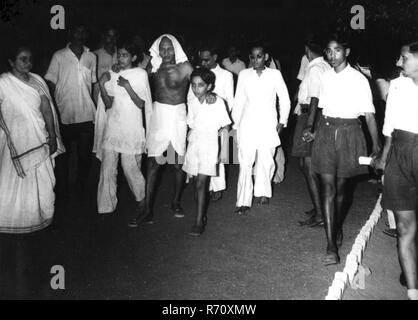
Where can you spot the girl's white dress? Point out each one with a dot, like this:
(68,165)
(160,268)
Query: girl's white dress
(204,120)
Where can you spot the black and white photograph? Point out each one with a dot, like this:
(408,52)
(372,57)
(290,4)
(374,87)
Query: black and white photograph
(208,155)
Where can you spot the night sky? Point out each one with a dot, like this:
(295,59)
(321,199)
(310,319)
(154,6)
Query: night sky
(281,24)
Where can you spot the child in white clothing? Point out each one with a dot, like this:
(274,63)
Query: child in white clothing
(202,155)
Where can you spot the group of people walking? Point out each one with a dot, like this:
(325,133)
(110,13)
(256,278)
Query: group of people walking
(120,102)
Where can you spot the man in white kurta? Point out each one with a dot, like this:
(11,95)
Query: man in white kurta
(255,119)
(71,73)
(232,63)
(224,88)
(106,58)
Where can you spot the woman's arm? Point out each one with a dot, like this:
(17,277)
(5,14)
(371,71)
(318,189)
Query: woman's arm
(49,123)
(107,100)
(137,100)
(380,161)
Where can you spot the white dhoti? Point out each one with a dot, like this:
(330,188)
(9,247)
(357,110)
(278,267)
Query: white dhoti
(106,193)
(263,171)
(167,125)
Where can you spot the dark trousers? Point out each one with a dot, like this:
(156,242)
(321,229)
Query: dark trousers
(83,136)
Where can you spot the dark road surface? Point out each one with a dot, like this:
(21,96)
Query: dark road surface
(265,255)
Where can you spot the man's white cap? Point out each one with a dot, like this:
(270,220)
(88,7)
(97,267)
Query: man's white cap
(155,52)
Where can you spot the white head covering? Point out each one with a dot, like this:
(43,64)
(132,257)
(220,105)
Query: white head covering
(156,60)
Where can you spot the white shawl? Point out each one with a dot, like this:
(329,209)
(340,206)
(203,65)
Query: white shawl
(23,123)
(155,52)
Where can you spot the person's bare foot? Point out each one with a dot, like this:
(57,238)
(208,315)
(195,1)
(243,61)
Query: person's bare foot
(263,201)
(330,258)
(339,238)
(215,195)
(197,230)
(177,210)
(311,212)
(312,222)
(243,210)
(133,223)
(147,217)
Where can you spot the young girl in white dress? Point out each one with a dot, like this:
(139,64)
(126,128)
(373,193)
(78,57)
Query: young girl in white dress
(202,155)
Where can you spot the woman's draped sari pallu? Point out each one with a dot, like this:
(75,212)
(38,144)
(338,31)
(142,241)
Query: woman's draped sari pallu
(26,169)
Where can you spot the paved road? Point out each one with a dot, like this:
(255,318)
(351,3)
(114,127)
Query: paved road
(264,255)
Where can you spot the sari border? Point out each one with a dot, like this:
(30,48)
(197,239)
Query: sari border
(21,230)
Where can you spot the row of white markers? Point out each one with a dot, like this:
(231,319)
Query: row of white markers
(354,258)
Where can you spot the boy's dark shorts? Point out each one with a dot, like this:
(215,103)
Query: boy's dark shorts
(400,190)
(337,147)
(300,147)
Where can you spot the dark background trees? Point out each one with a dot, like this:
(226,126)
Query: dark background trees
(282,24)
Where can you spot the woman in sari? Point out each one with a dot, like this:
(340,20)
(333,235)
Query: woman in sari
(29,141)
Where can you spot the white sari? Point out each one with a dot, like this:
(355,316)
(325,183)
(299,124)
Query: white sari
(26,170)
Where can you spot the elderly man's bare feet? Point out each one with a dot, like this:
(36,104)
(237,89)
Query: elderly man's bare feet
(215,195)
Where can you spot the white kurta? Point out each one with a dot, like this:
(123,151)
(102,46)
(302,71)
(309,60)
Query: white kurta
(124,131)
(255,117)
(202,151)
(254,111)
(73,80)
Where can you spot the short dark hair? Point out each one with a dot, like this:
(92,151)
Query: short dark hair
(134,50)
(339,38)
(206,75)
(315,44)
(107,28)
(73,27)
(211,47)
(413,47)
(258,45)
(14,51)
